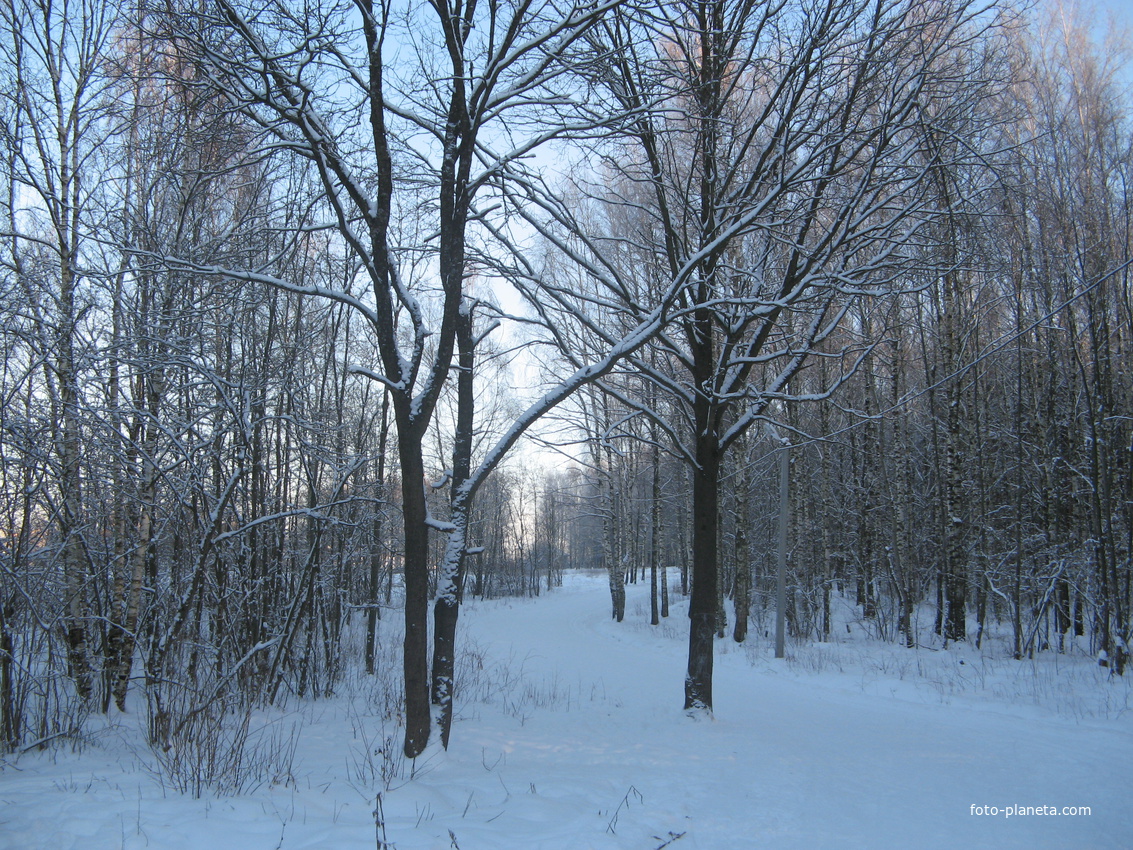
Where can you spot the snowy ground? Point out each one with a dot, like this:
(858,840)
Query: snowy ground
(569,735)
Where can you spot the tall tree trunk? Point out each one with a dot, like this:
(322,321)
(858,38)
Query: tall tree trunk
(71,490)
(415,662)
(743,584)
(446,609)
(373,612)
(743,555)
(654,530)
(10,714)
(614,572)
(122,636)
(705,573)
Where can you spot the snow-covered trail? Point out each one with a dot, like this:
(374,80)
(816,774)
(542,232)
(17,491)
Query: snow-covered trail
(785,763)
(569,735)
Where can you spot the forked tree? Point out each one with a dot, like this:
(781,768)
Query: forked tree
(409,114)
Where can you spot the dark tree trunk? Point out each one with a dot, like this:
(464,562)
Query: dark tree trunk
(743,553)
(9,713)
(654,531)
(373,612)
(743,579)
(1062,612)
(705,574)
(416,573)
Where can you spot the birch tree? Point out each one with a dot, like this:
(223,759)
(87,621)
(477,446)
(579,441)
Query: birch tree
(56,125)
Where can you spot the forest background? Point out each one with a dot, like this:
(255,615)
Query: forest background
(285,286)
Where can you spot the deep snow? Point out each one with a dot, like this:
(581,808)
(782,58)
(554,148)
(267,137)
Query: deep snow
(569,734)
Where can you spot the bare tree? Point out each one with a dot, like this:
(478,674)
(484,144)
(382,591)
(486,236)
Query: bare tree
(482,94)
(774,149)
(1068,210)
(56,123)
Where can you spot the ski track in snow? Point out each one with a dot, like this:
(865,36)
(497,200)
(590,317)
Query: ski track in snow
(590,750)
